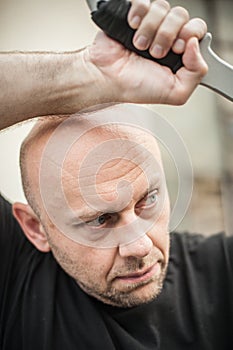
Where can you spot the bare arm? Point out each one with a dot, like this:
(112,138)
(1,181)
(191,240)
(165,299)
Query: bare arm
(34,84)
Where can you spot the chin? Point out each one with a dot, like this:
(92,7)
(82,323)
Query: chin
(135,295)
(129,295)
(142,294)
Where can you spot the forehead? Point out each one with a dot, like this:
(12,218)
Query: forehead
(81,154)
(112,148)
(103,161)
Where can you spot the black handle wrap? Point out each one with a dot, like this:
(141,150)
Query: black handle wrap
(111,17)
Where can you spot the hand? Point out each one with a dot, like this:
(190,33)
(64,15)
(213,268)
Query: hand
(127,77)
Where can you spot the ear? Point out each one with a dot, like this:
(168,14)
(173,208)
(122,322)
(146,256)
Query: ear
(31,226)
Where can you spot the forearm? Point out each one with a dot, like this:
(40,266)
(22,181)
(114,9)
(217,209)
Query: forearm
(63,83)
(35,84)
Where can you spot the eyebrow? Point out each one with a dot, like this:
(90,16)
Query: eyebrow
(86,214)
(150,189)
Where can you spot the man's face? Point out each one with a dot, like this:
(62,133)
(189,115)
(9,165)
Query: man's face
(122,211)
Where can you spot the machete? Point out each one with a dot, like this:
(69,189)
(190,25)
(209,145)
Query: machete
(111,17)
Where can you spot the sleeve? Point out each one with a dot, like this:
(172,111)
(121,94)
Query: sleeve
(214,265)
(206,251)
(206,267)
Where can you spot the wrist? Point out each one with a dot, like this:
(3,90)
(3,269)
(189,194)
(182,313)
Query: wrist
(77,84)
(98,87)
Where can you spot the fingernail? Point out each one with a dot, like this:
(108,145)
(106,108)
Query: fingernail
(141,42)
(135,21)
(179,45)
(157,51)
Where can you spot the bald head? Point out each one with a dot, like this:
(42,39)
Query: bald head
(96,142)
(30,155)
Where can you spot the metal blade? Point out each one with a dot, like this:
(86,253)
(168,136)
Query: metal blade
(220,74)
(92,5)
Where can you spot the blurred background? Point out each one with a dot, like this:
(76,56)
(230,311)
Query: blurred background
(205,122)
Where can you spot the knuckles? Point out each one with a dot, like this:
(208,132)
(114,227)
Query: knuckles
(141,6)
(202,26)
(165,36)
(163,4)
(180,12)
(195,27)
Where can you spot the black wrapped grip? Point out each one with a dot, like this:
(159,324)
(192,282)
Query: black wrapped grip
(111,17)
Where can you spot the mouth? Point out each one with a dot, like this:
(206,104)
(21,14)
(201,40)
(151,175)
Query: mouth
(142,276)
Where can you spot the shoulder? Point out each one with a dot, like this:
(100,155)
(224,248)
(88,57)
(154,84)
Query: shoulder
(13,243)
(195,241)
(9,227)
(215,251)
(8,224)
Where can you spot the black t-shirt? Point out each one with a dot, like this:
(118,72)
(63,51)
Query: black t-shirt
(42,308)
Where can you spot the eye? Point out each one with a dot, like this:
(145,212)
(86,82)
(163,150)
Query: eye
(101,220)
(148,201)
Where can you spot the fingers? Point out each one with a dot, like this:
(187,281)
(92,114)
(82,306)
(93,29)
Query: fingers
(150,24)
(160,27)
(168,31)
(196,27)
(137,12)
(193,60)
(188,77)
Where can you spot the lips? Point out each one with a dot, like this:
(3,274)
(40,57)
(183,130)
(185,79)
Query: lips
(142,275)
(138,274)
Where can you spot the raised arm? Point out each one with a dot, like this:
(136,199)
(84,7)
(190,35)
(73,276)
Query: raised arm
(35,84)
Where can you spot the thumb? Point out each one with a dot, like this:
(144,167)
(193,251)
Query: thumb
(189,76)
(192,58)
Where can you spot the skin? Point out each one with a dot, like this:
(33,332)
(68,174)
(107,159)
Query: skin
(47,83)
(127,272)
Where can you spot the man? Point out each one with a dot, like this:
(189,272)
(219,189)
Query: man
(99,273)
(67,291)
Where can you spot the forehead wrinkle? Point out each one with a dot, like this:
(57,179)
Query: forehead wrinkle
(86,211)
(79,150)
(100,134)
(74,161)
(108,177)
(133,173)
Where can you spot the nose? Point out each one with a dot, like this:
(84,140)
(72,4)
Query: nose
(139,248)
